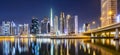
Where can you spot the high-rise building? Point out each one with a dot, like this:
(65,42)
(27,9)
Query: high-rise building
(20,29)
(13,29)
(86,27)
(51,20)
(67,24)
(1,30)
(62,22)
(56,24)
(26,29)
(76,24)
(45,26)
(108,12)
(70,24)
(6,28)
(35,26)
(118,19)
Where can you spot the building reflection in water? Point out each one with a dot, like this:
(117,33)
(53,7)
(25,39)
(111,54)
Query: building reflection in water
(49,47)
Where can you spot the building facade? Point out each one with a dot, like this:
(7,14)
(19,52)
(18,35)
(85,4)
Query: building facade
(6,28)
(76,24)
(35,26)
(45,26)
(62,23)
(56,24)
(108,12)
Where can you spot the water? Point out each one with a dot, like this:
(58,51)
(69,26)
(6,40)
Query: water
(44,46)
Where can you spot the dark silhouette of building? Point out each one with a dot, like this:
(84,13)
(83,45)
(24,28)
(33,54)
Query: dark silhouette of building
(34,28)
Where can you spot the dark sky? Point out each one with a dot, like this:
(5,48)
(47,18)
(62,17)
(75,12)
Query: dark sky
(22,11)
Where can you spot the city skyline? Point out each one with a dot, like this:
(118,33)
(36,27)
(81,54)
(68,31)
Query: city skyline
(27,9)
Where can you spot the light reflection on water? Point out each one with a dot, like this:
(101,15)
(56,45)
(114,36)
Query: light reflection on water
(45,46)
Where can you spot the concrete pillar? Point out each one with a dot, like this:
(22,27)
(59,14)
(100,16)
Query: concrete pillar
(117,38)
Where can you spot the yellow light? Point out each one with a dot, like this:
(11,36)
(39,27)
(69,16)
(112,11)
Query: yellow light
(110,12)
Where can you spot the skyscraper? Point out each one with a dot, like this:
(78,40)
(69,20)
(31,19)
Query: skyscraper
(76,24)
(34,28)
(51,20)
(62,22)
(45,26)
(13,28)
(6,28)
(26,29)
(56,24)
(108,12)
(67,24)
(1,30)
(20,29)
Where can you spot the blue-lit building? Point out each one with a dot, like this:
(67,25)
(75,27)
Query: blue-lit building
(13,28)
(35,26)
(6,28)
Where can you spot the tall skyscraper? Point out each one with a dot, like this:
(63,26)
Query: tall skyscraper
(34,28)
(118,19)
(20,29)
(51,20)
(13,28)
(45,26)
(26,29)
(1,30)
(6,28)
(56,24)
(67,24)
(62,22)
(86,27)
(108,12)
(76,24)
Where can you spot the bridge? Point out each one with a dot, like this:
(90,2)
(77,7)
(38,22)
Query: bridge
(109,31)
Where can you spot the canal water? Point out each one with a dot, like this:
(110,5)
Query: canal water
(46,46)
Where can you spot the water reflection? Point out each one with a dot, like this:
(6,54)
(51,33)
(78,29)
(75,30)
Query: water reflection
(39,46)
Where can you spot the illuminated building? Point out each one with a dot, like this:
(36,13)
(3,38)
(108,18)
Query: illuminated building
(85,27)
(67,23)
(51,20)
(35,27)
(26,29)
(56,24)
(108,12)
(20,29)
(118,19)
(70,24)
(45,26)
(6,28)
(76,24)
(0,30)
(62,22)
(13,28)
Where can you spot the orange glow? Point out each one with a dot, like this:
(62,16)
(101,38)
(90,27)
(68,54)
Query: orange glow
(110,12)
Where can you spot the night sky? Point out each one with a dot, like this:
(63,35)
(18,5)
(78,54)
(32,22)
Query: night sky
(22,11)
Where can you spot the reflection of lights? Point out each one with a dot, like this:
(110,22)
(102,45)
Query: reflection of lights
(92,40)
(84,49)
(94,53)
(112,42)
(45,40)
(88,51)
(103,41)
(6,48)
(52,46)
(88,45)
